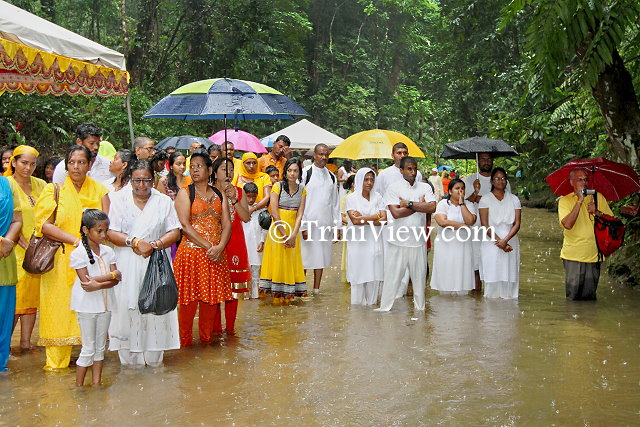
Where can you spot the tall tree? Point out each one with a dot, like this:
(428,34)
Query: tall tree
(578,43)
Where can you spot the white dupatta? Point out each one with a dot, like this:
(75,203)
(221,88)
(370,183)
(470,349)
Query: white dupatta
(356,201)
(501,212)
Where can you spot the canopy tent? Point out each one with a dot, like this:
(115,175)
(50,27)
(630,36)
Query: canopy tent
(38,56)
(304,135)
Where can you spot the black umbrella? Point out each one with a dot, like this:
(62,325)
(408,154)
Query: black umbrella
(470,147)
(183,142)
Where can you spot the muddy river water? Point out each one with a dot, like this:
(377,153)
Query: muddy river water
(540,360)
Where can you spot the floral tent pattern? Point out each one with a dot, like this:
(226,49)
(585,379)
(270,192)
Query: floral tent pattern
(27,70)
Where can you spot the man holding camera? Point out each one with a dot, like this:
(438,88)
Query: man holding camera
(576,212)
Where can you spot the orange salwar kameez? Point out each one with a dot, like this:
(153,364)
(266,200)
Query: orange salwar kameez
(201,281)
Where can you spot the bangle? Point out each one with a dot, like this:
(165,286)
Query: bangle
(113,275)
(136,243)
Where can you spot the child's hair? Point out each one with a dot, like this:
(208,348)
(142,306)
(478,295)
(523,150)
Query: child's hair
(270,169)
(349,182)
(251,188)
(91,217)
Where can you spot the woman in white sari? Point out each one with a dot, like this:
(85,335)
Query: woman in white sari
(141,220)
(365,211)
(500,259)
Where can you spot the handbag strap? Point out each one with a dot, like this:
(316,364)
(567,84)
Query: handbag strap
(56,196)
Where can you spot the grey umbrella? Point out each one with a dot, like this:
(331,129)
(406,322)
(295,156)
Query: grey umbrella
(182,142)
(470,147)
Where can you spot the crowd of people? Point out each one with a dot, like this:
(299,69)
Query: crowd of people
(242,228)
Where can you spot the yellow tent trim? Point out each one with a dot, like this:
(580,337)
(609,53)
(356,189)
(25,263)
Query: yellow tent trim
(64,63)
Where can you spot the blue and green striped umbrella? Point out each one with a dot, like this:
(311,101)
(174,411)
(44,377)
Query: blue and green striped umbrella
(226,98)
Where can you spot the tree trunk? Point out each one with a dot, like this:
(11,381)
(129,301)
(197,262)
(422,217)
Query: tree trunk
(138,61)
(617,101)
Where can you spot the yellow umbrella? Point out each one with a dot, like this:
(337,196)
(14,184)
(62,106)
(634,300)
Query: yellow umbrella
(374,144)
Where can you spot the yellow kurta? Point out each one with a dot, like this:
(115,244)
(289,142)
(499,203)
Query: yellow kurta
(261,182)
(28,287)
(58,324)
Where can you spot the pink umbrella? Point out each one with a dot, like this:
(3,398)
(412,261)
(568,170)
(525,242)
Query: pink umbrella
(242,141)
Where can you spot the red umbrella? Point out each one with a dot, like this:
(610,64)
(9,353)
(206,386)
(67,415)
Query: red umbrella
(614,181)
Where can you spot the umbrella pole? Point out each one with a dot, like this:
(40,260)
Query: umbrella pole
(477,169)
(128,103)
(226,164)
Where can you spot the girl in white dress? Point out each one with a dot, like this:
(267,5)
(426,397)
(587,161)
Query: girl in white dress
(500,259)
(92,294)
(452,256)
(365,211)
(142,220)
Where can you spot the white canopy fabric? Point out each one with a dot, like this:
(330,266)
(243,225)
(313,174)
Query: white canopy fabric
(304,135)
(20,26)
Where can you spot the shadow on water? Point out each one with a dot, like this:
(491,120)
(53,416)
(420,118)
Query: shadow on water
(538,360)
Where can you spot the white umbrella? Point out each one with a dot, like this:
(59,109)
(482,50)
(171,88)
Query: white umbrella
(304,135)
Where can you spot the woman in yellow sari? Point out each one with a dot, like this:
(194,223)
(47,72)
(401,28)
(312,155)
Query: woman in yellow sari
(26,189)
(249,172)
(59,328)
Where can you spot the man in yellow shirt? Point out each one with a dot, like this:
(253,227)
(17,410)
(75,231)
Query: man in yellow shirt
(579,252)
(277,156)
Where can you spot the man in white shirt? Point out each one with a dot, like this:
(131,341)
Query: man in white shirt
(145,147)
(392,174)
(408,201)
(322,210)
(385,178)
(88,135)
(481,184)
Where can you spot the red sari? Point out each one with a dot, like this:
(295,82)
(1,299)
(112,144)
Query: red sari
(237,256)
(239,270)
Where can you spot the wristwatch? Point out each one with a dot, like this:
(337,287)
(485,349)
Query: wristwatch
(462,204)
(410,205)
(128,241)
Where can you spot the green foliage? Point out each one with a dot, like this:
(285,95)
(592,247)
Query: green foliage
(573,40)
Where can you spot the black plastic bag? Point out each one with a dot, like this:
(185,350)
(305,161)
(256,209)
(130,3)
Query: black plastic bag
(159,293)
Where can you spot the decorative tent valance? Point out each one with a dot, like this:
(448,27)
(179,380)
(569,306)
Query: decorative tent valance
(27,70)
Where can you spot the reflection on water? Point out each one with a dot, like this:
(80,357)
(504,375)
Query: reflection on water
(540,360)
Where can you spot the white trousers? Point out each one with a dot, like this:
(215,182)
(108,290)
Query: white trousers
(397,260)
(365,293)
(93,328)
(255,280)
(404,283)
(151,358)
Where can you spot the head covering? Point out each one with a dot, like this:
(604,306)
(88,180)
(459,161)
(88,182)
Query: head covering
(434,169)
(359,181)
(243,170)
(18,151)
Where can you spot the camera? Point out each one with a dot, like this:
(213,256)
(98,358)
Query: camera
(588,191)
